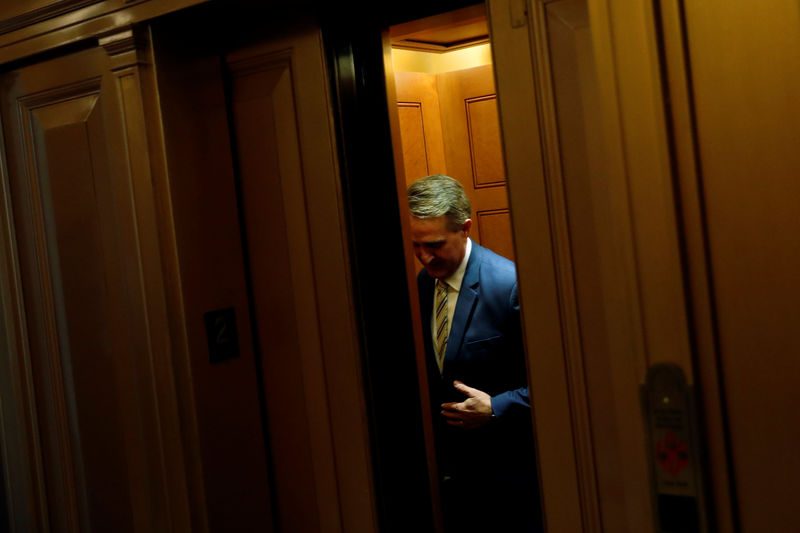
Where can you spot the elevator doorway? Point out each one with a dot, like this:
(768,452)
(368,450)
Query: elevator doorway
(447,114)
(444,115)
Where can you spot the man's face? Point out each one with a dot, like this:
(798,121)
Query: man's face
(439,249)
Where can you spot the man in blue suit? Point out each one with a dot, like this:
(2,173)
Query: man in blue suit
(476,367)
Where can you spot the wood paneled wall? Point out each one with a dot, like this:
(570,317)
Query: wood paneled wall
(449,125)
(660,229)
(123,223)
(420,124)
(97,439)
(29,27)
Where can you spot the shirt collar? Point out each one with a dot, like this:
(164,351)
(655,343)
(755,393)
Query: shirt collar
(457,277)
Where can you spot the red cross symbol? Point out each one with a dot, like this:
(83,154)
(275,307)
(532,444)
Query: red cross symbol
(673,455)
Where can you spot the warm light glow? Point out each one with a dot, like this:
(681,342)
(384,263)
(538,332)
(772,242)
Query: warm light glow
(436,63)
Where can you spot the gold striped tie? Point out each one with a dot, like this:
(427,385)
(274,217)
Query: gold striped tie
(441,325)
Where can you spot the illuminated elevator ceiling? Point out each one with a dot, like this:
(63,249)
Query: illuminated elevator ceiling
(438,62)
(451,41)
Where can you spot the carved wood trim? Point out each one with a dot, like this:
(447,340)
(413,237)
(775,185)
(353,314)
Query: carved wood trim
(248,65)
(160,431)
(407,36)
(59,94)
(518,94)
(393,94)
(126,48)
(485,218)
(422,46)
(26,443)
(473,155)
(43,13)
(573,351)
(489,212)
(58,411)
(89,21)
(118,42)
(417,108)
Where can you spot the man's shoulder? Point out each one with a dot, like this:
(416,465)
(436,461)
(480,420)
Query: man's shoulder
(495,267)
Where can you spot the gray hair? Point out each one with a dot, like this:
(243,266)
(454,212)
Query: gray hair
(439,195)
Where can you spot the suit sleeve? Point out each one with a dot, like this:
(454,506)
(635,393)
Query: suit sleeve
(510,401)
(517,400)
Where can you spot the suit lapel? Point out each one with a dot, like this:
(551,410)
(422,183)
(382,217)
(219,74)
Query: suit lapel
(465,305)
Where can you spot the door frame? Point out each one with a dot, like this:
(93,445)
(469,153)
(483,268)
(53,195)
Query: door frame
(593,456)
(593,444)
(381,257)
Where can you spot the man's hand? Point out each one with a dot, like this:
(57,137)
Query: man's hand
(473,412)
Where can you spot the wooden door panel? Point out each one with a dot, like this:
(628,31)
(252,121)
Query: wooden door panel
(60,179)
(292,222)
(420,125)
(470,125)
(258,93)
(259,226)
(412,129)
(73,173)
(473,147)
(233,478)
(494,228)
(90,369)
(486,150)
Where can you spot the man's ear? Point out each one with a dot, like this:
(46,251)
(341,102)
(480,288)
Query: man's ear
(467,226)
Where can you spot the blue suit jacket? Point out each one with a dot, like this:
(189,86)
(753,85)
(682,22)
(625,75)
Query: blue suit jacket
(485,351)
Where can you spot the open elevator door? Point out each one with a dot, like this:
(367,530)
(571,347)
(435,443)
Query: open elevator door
(550,158)
(443,111)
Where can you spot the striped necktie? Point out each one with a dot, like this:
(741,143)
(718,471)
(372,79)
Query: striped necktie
(442,328)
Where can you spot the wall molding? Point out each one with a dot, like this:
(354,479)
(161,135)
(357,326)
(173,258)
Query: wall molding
(43,13)
(76,22)
(57,413)
(562,250)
